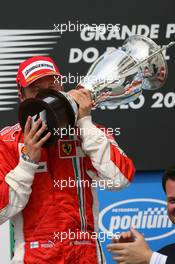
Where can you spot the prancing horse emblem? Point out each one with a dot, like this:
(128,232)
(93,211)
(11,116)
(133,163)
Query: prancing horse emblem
(67,148)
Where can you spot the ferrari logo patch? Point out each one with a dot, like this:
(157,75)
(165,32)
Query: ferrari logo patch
(67,148)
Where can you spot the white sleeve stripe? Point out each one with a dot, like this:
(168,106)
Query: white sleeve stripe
(100,156)
(19,180)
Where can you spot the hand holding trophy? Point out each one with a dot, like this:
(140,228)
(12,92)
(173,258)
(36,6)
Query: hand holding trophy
(116,77)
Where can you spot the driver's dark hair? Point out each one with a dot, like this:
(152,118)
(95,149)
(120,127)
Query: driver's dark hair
(168,175)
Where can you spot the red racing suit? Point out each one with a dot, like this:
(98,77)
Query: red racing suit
(53,206)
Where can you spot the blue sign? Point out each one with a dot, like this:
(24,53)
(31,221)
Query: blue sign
(142,205)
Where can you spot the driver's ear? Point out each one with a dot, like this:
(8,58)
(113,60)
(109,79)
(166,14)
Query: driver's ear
(21,94)
(21,98)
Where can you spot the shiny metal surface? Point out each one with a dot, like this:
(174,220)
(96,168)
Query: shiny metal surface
(119,76)
(155,69)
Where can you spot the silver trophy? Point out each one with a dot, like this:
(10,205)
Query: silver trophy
(119,76)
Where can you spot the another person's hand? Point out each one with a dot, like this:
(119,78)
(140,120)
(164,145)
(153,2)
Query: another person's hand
(32,139)
(136,252)
(124,237)
(83,98)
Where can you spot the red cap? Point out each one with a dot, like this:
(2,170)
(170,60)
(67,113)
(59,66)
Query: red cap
(34,68)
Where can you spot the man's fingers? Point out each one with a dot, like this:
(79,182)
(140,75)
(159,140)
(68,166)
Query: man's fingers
(43,140)
(117,246)
(80,96)
(35,127)
(28,125)
(118,252)
(86,92)
(119,259)
(115,240)
(84,101)
(40,132)
(135,233)
(126,237)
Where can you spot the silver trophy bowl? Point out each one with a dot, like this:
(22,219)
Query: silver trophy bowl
(119,76)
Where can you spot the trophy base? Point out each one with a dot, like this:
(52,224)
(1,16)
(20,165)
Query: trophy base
(56,109)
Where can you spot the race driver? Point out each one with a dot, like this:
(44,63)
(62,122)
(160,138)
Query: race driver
(49,220)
